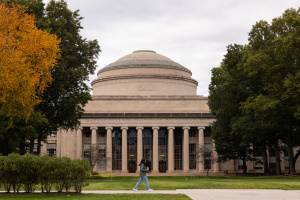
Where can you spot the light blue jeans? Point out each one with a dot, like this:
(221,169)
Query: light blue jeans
(140,181)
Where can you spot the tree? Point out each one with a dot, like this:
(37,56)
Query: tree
(206,158)
(27,55)
(258,87)
(93,155)
(228,88)
(274,59)
(63,101)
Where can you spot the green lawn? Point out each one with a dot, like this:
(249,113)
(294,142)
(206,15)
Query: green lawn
(98,196)
(198,182)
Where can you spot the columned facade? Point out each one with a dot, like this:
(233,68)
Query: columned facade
(144,105)
(162,152)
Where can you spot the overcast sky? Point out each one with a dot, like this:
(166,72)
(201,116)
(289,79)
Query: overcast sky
(193,33)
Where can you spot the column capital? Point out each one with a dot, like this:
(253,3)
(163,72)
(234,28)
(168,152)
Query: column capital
(171,127)
(79,128)
(94,127)
(186,127)
(124,127)
(108,127)
(139,127)
(155,127)
(201,127)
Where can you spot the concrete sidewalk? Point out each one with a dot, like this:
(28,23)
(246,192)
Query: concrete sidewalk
(217,194)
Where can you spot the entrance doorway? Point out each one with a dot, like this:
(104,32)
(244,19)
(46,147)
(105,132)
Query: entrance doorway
(162,166)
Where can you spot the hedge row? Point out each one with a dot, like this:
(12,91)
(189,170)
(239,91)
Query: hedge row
(29,171)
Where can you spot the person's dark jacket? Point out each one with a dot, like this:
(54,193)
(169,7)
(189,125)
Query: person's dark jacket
(143,170)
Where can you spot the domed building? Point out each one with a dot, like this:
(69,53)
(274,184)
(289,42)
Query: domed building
(144,105)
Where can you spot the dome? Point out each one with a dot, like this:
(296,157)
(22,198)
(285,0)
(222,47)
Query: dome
(144,72)
(144,58)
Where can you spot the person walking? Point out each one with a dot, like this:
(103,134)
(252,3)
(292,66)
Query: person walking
(143,171)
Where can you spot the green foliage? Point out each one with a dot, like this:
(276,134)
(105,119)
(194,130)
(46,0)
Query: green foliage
(28,171)
(255,93)
(63,101)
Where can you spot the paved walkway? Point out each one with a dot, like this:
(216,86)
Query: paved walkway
(218,194)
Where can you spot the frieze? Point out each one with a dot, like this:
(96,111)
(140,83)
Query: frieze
(144,121)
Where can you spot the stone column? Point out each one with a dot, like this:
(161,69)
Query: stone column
(155,149)
(79,143)
(58,143)
(108,149)
(124,149)
(216,164)
(94,135)
(201,149)
(139,146)
(185,152)
(171,149)
(63,146)
(94,142)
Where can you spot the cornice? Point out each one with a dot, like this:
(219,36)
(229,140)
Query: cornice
(145,76)
(149,98)
(144,64)
(148,115)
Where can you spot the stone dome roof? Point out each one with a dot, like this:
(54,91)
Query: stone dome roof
(144,58)
(143,73)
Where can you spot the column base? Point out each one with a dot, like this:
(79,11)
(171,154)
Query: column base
(202,171)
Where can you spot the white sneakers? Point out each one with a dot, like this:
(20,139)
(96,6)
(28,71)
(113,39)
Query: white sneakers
(150,190)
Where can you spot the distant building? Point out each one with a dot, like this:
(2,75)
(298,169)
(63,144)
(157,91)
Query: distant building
(145,105)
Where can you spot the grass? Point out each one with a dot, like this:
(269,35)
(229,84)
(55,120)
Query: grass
(169,183)
(198,182)
(97,196)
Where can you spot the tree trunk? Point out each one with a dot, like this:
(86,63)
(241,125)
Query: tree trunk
(277,158)
(244,165)
(39,146)
(296,156)
(265,159)
(31,145)
(22,146)
(291,154)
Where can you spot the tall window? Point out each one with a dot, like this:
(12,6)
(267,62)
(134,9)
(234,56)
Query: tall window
(207,155)
(51,149)
(148,145)
(207,132)
(101,132)
(192,132)
(163,144)
(116,149)
(132,149)
(192,155)
(102,157)
(163,149)
(178,149)
(86,152)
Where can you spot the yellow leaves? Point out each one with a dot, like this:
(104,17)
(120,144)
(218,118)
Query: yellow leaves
(26,57)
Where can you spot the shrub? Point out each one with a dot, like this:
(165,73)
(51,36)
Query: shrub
(28,171)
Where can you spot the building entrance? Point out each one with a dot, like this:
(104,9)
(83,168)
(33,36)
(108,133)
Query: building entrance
(132,149)
(148,146)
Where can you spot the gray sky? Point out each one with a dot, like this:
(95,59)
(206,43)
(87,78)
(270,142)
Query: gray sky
(193,33)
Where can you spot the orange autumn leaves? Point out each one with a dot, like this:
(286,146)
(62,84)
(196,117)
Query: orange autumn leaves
(27,56)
